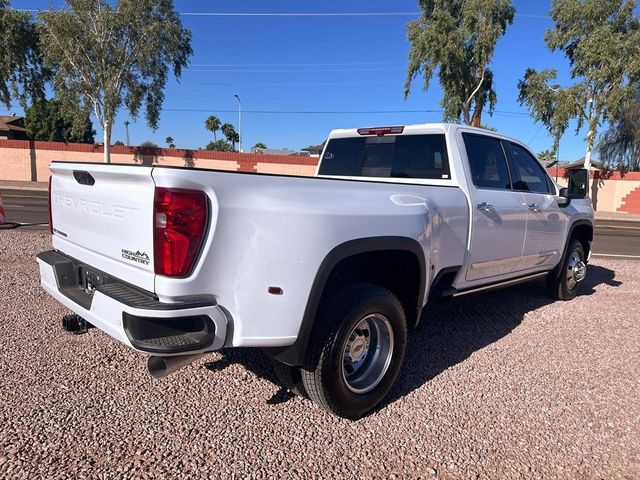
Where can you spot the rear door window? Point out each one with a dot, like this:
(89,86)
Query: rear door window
(389,156)
(487,161)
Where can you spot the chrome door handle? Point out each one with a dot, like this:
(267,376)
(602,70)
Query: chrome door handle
(534,207)
(484,207)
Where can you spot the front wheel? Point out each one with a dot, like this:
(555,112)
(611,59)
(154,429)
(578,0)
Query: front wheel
(356,350)
(573,271)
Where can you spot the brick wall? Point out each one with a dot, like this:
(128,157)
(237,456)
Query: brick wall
(25,160)
(608,189)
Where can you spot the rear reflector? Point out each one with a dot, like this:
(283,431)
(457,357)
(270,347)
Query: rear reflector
(380,130)
(180,220)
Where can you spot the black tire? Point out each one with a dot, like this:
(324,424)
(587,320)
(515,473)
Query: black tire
(290,378)
(327,364)
(566,284)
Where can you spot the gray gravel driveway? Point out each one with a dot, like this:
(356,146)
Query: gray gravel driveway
(505,385)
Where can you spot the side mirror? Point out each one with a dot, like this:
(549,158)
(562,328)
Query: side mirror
(564,199)
(578,181)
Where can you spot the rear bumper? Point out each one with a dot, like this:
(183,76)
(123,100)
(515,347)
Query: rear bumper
(130,315)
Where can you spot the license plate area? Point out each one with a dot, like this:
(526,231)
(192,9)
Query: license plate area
(89,279)
(77,281)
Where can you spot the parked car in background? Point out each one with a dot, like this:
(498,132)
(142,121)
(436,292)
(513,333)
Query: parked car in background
(326,274)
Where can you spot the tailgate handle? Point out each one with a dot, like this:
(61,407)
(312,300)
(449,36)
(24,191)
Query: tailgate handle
(83,177)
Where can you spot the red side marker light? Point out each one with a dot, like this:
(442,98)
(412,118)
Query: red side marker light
(275,291)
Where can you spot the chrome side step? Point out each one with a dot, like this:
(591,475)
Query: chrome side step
(504,284)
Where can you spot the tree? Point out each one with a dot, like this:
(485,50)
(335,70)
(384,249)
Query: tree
(259,145)
(119,143)
(112,55)
(230,133)
(547,156)
(212,123)
(457,38)
(44,120)
(148,144)
(219,146)
(601,40)
(169,142)
(22,74)
(620,145)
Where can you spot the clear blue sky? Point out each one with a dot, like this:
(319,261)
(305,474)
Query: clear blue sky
(327,64)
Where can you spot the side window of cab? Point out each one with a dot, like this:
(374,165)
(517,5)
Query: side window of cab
(527,173)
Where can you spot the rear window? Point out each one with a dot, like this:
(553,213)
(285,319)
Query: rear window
(389,156)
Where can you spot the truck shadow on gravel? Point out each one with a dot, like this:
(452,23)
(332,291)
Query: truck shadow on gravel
(449,332)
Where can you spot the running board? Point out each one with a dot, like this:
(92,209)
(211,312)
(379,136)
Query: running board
(504,284)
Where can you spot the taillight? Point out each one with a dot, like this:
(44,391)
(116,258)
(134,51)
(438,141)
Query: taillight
(50,215)
(180,219)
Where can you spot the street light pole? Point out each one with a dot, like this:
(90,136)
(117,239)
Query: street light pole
(239,121)
(126,130)
(557,159)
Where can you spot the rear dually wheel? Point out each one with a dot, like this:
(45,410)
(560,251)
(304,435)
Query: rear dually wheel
(356,350)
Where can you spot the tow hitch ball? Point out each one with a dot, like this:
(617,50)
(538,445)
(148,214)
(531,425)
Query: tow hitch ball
(76,324)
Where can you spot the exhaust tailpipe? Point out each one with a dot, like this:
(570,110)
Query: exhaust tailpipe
(160,367)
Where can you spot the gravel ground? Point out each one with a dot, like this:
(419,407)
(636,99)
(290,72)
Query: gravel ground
(505,385)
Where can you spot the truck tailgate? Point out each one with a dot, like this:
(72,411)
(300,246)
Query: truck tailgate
(102,215)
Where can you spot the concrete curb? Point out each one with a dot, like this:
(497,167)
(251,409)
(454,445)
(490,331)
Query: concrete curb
(619,216)
(25,189)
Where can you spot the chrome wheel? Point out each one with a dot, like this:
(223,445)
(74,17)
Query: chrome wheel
(367,353)
(576,270)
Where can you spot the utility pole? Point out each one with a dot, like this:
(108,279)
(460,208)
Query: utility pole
(126,130)
(239,122)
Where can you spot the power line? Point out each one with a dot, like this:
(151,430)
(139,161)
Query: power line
(346,64)
(296,112)
(301,14)
(297,70)
(535,134)
(329,112)
(284,84)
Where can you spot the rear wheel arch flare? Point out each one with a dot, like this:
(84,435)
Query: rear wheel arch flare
(354,253)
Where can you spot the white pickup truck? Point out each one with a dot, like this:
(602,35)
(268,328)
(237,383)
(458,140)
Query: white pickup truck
(325,273)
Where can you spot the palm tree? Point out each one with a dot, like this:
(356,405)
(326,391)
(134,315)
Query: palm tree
(213,125)
(260,145)
(169,142)
(230,132)
(547,156)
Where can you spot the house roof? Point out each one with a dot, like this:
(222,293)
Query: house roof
(276,151)
(595,164)
(12,123)
(314,148)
